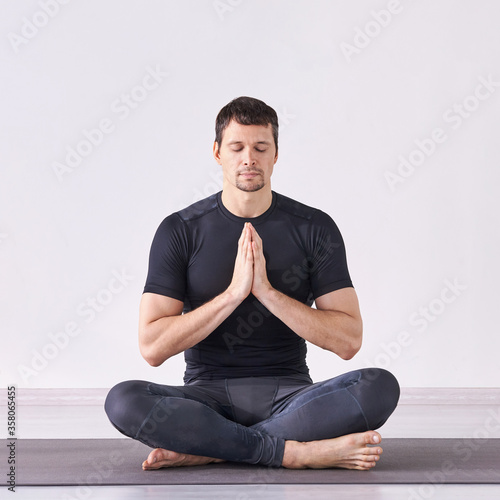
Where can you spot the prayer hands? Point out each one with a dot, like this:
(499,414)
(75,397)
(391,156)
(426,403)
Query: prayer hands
(250,274)
(260,284)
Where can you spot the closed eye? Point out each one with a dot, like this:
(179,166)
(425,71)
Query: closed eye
(256,149)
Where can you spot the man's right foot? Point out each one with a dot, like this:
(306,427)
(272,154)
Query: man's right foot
(160,458)
(348,452)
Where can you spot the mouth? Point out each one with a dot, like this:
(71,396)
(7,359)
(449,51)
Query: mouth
(249,175)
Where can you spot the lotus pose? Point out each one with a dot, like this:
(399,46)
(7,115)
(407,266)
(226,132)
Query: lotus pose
(231,283)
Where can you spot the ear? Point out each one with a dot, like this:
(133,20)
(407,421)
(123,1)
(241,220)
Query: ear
(216,153)
(276,157)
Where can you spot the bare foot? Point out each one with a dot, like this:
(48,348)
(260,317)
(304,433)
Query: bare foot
(159,458)
(348,452)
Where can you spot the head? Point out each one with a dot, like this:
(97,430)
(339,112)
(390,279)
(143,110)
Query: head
(246,143)
(246,111)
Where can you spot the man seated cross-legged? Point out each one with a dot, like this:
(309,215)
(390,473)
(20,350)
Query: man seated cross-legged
(231,283)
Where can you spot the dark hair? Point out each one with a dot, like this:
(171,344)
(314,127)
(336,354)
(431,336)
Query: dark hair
(246,111)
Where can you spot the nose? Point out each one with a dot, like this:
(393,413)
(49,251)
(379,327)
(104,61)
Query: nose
(248,159)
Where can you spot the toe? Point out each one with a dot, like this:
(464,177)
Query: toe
(359,465)
(372,450)
(364,465)
(373,437)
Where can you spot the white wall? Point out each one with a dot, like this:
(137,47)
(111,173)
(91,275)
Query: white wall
(350,105)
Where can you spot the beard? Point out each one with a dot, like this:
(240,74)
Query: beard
(250,185)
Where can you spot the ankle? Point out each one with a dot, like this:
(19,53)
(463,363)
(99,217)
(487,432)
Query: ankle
(293,457)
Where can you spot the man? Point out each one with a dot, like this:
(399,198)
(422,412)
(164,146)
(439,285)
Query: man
(231,282)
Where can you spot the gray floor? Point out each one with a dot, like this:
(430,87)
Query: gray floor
(448,420)
(266,492)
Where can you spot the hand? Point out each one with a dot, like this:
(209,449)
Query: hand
(241,284)
(260,285)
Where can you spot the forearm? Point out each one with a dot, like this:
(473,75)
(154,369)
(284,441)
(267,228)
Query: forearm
(168,336)
(335,331)
(168,332)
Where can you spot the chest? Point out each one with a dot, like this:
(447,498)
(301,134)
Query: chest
(211,263)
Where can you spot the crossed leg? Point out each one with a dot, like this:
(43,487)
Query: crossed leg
(356,401)
(349,452)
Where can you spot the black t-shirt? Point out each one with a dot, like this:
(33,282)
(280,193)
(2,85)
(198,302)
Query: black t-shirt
(192,259)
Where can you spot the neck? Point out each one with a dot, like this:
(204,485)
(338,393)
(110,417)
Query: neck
(247,205)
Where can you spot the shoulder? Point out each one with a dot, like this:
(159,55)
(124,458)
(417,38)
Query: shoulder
(300,210)
(294,207)
(177,221)
(198,209)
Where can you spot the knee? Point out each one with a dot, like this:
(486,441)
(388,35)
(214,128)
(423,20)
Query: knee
(382,394)
(385,382)
(120,401)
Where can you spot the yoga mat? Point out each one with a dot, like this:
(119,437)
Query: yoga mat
(118,462)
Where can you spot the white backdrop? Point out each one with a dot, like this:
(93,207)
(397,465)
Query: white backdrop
(389,115)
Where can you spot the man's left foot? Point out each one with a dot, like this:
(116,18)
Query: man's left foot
(160,458)
(352,451)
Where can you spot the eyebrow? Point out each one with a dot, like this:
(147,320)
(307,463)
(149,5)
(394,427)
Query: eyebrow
(241,142)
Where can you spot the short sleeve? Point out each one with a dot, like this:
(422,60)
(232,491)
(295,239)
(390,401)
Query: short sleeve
(327,261)
(168,259)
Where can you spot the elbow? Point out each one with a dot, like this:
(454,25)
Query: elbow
(349,353)
(353,346)
(150,357)
(150,354)
(153,361)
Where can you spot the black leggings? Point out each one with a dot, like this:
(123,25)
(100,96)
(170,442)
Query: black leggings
(249,419)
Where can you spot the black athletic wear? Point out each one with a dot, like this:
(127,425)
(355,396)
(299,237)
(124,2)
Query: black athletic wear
(249,419)
(192,259)
(247,384)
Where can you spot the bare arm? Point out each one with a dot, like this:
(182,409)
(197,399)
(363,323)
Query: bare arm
(164,331)
(335,325)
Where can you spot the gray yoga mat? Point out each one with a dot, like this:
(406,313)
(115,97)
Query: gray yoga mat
(118,462)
